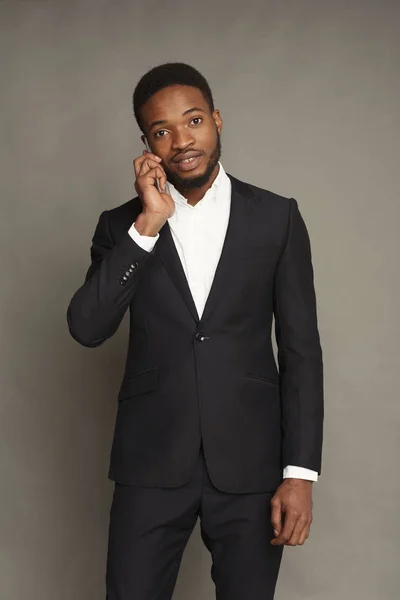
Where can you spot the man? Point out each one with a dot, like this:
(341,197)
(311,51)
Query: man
(206,426)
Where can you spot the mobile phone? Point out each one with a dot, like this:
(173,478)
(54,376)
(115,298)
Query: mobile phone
(146,143)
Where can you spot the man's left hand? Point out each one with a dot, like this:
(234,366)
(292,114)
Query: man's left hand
(294,498)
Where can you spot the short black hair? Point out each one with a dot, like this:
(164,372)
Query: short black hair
(166,75)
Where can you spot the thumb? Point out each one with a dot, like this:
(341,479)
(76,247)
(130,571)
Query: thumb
(276,516)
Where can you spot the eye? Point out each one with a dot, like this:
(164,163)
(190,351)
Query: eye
(160,134)
(196,120)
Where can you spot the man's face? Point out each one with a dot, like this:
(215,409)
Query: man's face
(184,133)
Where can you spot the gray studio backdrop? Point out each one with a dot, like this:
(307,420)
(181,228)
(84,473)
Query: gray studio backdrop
(309,92)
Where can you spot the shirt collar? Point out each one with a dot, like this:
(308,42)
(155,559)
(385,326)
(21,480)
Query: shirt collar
(210,194)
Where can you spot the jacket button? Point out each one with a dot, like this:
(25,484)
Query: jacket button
(200,337)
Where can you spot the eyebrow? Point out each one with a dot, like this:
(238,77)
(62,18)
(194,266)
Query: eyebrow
(187,112)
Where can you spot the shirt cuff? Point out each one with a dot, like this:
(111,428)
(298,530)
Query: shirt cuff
(146,242)
(299,473)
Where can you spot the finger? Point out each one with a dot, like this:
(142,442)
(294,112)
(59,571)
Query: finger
(289,525)
(300,527)
(149,178)
(138,162)
(304,536)
(145,165)
(162,181)
(148,164)
(276,515)
(151,155)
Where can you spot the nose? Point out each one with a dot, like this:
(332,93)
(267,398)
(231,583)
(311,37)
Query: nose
(182,139)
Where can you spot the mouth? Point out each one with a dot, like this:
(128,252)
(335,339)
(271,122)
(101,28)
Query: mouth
(188,164)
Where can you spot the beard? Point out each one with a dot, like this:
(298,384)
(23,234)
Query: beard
(191,183)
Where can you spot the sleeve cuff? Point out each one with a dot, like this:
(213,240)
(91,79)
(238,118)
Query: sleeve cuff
(144,241)
(299,473)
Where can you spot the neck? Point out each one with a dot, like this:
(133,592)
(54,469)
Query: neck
(193,196)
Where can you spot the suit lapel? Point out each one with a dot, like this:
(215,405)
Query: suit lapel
(237,235)
(238,231)
(166,250)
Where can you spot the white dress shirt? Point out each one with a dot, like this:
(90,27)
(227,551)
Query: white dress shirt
(199,233)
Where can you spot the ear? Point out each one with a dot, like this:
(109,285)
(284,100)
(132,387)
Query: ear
(218,120)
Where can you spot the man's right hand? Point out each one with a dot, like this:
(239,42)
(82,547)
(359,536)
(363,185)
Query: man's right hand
(157,206)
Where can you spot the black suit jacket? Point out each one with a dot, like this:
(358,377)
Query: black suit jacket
(213,378)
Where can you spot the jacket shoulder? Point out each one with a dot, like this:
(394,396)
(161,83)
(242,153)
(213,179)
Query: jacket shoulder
(120,218)
(267,199)
(125,211)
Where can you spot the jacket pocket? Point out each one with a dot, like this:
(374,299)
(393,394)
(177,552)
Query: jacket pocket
(261,378)
(139,383)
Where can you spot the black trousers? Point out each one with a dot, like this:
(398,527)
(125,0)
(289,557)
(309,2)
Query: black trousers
(150,527)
